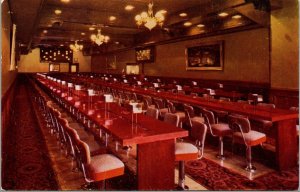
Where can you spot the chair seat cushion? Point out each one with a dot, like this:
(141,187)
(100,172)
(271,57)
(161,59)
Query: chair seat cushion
(105,166)
(252,138)
(185,151)
(221,129)
(181,115)
(197,119)
(163,111)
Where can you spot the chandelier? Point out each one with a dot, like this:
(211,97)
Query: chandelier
(148,19)
(99,38)
(76,47)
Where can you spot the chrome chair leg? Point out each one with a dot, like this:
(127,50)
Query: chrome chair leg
(221,155)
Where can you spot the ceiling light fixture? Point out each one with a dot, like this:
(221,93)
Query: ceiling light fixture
(57,11)
(200,25)
(92,28)
(112,18)
(82,33)
(148,19)
(223,14)
(236,17)
(187,24)
(45,31)
(65,1)
(183,14)
(76,47)
(99,38)
(129,7)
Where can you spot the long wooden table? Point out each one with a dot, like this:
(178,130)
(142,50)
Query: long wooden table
(155,139)
(284,121)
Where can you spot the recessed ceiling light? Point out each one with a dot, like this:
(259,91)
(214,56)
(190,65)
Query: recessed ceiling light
(45,31)
(92,28)
(183,14)
(236,17)
(223,14)
(187,24)
(57,11)
(65,1)
(61,45)
(129,7)
(200,25)
(117,42)
(82,33)
(112,18)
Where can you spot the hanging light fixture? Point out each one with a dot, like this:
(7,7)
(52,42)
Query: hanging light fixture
(99,38)
(76,47)
(148,19)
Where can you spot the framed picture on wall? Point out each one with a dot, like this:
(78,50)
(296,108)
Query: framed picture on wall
(54,67)
(205,56)
(111,62)
(144,54)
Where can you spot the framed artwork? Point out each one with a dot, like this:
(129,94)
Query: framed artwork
(111,62)
(54,67)
(206,56)
(144,54)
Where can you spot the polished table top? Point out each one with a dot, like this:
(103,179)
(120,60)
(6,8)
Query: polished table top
(117,120)
(255,112)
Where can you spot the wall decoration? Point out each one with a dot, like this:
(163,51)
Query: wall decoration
(56,55)
(111,62)
(54,67)
(205,56)
(144,54)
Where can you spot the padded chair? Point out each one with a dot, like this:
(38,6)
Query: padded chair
(159,104)
(99,167)
(152,112)
(148,102)
(172,118)
(172,109)
(243,134)
(187,151)
(217,130)
(190,115)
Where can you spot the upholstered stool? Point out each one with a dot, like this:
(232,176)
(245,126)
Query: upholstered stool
(99,167)
(217,130)
(243,134)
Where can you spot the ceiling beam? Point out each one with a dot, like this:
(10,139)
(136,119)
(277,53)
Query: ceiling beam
(203,10)
(260,17)
(36,23)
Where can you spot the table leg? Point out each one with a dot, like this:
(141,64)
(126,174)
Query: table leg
(156,165)
(286,144)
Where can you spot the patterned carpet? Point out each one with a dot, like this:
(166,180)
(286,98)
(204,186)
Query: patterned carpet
(214,177)
(26,165)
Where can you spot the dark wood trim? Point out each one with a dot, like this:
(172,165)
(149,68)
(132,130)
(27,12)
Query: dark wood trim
(284,98)
(6,106)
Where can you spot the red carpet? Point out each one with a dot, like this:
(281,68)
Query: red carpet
(214,177)
(26,165)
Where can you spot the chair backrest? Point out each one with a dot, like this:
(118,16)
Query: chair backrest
(159,103)
(239,123)
(147,100)
(189,110)
(152,112)
(171,107)
(267,105)
(198,131)
(85,155)
(294,109)
(172,118)
(209,116)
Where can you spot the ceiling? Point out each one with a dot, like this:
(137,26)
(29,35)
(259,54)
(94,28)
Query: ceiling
(33,17)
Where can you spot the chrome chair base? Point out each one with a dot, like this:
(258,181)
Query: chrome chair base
(250,168)
(221,157)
